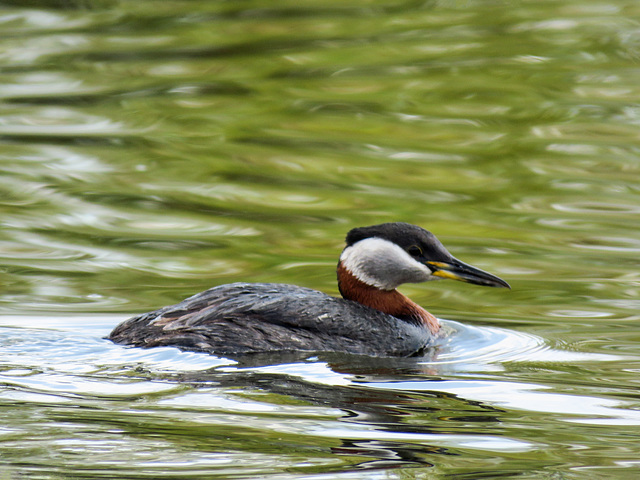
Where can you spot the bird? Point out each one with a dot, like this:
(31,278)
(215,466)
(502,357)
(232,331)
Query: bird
(372,317)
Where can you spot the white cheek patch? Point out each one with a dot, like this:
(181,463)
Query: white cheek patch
(383,264)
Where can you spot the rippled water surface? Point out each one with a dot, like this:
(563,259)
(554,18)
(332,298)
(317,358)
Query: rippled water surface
(153,149)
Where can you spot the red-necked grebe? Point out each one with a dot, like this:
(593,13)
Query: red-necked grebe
(373,318)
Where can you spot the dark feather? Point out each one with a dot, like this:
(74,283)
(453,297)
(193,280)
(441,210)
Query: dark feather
(262,317)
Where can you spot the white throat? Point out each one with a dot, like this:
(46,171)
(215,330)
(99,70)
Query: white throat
(383,264)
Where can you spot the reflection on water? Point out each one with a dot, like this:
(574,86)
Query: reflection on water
(465,349)
(337,399)
(151,150)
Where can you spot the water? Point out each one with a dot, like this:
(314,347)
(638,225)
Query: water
(151,150)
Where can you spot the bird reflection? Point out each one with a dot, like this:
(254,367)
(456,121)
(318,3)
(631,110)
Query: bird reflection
(398,411)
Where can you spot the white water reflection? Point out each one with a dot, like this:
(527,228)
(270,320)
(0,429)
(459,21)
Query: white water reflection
(58,357)
(531,397)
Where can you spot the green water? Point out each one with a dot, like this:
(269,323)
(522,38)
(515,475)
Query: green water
(150,150)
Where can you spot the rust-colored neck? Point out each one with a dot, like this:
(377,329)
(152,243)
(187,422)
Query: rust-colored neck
(391,302)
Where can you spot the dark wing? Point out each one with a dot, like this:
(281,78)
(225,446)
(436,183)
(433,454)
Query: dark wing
(250,317)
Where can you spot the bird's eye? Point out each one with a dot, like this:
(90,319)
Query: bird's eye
(414,251)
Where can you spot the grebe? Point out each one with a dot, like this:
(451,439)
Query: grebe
(373,318)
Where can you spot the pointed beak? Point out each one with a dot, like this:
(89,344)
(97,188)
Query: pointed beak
(457,270)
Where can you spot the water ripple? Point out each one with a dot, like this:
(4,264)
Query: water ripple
(470,347)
